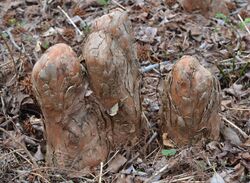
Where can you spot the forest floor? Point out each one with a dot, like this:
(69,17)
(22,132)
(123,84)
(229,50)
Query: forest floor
(164,32)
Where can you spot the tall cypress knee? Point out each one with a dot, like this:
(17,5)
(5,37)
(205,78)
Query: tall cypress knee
(111,62)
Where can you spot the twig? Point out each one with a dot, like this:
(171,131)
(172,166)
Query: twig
(240,60)
(11,55)
(156,156)
(111,158)
(44,5)
(74,25)
(8,31)
(22,146)
(160,172)
(152,152)
(236,127)
(20,174)
(118,4)
(149,126)
(38,175)
(3,104)
(8,120)
(132,159)
(28,161)
(236,109)
(157,173)
(109,161)
(152,138)
(154,135)
(100,176)
(66,170)
(153,66)
(244,24)
(9,153)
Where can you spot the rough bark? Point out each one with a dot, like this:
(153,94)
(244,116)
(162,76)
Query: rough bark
(76,131)
(191,102)
(88,111)
(111,62)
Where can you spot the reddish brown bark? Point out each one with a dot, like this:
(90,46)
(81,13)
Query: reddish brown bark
(114,73)
(191,102)
(75,129)
(87,112)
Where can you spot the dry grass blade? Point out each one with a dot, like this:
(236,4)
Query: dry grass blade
(100,176)
(43,178)
(236,127)
(11,152)
(74,25)
(118,4)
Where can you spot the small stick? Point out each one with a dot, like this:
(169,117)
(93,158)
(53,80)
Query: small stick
(22,156)
(133,158)
(11,55)
(8,31)
(236,127)
(71,21)
(236,109)
(149,125)
(44,4)
(8,120)
(9,153)
(118,4)
(153,66)
(38,175)
(111,158)
(100,176)
(22,146)
(152,152)
(109,161)
(152,138)
(157,173)
(243,23)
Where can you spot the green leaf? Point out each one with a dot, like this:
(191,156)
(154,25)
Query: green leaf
(4,35)
(247,20)
(45,45)
(85,27)
(103,2)
(12,21)
(221,16)
(168,152)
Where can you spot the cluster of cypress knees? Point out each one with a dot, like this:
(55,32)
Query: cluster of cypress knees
(92,109)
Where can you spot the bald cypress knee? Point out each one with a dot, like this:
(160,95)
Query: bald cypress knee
(89,111)
(76,132)
(191,103)
(111,61)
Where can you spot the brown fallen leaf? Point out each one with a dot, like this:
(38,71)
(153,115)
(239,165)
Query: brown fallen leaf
(230,135)
(207,8)
(247,143)
(166,141)
(117,163)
